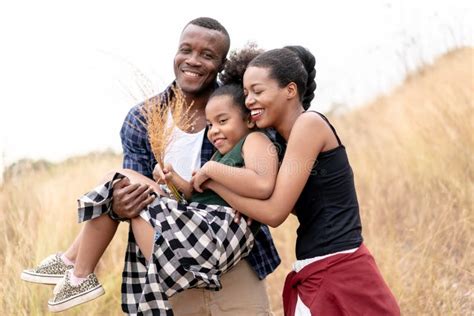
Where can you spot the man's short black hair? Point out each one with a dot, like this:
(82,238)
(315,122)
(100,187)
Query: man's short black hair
(209,23)
(212,24)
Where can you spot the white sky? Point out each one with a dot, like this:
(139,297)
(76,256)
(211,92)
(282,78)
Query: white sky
(70,70)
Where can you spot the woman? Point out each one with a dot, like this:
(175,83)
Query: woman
(334,273)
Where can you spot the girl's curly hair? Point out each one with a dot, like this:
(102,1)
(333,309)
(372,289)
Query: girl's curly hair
(232,75)
(237,64)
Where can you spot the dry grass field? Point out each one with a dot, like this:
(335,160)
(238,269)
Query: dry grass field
(411,152)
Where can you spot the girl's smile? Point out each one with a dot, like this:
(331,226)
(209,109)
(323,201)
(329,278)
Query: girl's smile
(226,122)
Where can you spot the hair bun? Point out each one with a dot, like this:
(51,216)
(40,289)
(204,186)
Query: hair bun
(309,63)
(237,63)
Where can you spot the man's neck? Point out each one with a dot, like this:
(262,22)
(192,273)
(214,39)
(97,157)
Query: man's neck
(199,101)
(198,109)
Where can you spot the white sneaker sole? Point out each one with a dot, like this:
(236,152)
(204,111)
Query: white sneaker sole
(41,278)
(94,293)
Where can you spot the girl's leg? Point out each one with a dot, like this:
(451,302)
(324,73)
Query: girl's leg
(71,252)
(91,244)
(94,239)
(142,230)
(144,236)
(135,177)
(97,233)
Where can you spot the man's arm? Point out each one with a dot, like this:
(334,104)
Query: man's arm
(130,199)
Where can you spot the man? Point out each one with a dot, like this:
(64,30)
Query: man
(202,51)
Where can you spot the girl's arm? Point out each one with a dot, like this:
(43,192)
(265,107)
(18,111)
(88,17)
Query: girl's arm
(167,174)
(257,178)
(308,138)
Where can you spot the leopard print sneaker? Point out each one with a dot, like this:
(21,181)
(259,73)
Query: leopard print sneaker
(50,271)
(67,295)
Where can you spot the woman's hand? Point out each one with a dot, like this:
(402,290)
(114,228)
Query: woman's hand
(238,217)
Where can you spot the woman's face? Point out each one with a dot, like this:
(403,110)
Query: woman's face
(264,97)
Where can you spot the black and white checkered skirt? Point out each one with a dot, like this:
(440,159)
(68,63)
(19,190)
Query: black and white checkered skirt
(196,243)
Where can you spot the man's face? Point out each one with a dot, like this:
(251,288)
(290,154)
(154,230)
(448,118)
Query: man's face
(200,56)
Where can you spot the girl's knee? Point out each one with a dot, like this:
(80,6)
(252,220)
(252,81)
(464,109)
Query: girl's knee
(144,234)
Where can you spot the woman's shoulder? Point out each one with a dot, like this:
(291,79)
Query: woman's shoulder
(257,140)
(316,124)
(259,134)
(311,121)
(257,137)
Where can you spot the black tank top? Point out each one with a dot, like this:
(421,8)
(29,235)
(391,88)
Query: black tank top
(327,209)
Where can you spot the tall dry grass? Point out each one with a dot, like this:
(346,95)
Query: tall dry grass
(412,155)
(38,216)
(411,152)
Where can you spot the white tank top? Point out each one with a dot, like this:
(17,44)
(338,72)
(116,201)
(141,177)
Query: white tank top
(184,151)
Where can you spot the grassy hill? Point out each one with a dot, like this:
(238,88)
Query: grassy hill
(411,152)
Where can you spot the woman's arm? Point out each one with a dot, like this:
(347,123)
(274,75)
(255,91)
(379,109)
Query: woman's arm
(294,171)
(257,178)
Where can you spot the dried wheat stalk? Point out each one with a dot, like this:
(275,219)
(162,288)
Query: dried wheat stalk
(160,131)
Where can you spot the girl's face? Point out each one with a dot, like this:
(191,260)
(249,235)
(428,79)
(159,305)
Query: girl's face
(264,97)
(226,124)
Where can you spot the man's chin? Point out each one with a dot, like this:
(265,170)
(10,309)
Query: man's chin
(196,91)
(190,88)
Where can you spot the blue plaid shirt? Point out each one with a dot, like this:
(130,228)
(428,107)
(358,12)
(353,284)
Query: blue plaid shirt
(137,155)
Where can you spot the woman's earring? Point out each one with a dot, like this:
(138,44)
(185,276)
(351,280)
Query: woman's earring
(250,123)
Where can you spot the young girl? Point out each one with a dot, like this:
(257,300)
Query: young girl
(334,273)
(187,245)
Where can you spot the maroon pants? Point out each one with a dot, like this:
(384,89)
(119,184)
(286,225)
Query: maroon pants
(343,284)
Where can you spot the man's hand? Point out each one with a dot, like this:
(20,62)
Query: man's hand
(130,199)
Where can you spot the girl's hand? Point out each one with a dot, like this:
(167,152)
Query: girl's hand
(199,177)
(163,175)
(158,174)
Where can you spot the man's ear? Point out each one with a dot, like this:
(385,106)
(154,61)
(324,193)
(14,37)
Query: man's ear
(291,90)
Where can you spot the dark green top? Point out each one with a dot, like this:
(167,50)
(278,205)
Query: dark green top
(234,159)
